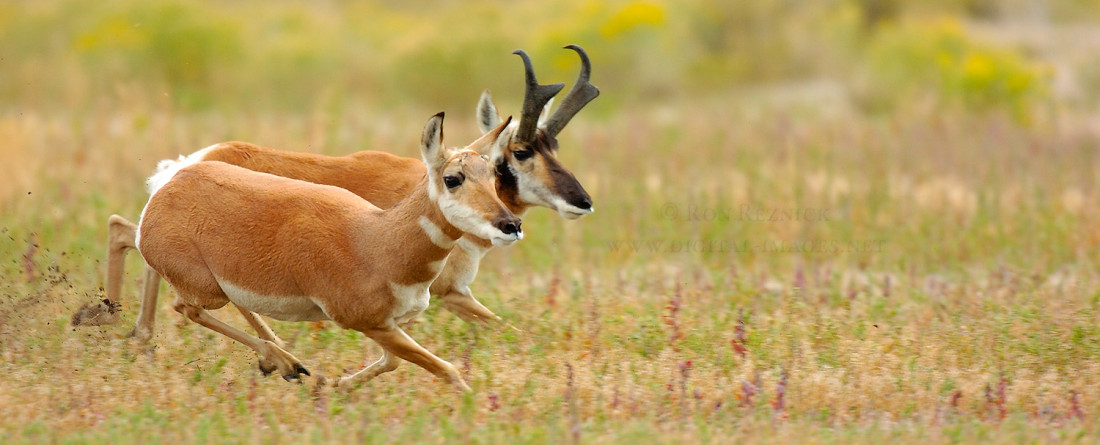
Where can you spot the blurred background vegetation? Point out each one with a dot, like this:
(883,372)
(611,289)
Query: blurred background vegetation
(251,55)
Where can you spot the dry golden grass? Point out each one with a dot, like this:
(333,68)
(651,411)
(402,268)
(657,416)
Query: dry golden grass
(972,316)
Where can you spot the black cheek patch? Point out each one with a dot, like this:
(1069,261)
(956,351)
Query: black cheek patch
(505,176)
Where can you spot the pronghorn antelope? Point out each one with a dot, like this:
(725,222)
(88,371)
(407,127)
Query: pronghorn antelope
(298,251)
(524,158)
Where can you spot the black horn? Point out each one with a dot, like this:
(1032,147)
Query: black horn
(580,95)
(534,99)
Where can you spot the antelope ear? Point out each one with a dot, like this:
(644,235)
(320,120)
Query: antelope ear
(487,143)
(545,112)
(487,115)
(432,151)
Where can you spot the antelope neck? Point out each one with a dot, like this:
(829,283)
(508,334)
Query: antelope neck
(419,222)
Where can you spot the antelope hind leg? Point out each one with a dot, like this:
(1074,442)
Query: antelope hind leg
(288,365)
(265,333)
(121,237)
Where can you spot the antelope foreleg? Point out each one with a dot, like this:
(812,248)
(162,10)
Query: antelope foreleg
(466,307)
(147,316)
(395,341)
(388,362)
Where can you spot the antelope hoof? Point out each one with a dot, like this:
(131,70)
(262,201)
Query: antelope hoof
(267,367)
(273,357)
(141,335)
(296,374)
(486,321)
(343,383)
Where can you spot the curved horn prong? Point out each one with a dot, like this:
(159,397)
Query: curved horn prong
(533,100)
(580,95)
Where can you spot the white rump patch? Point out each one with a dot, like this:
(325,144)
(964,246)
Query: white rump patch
(279,308)
(168,168)
(412,299)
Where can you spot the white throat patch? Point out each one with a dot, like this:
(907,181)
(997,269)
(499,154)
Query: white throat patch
(435,233)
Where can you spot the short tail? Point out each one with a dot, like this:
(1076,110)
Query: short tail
(168,168)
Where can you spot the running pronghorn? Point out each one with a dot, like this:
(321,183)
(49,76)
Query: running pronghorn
(524,158)
(298,251)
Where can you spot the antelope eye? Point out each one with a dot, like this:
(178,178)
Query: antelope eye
(523,155)
(452,181)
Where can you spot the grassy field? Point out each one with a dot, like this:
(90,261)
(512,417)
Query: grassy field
(795,240)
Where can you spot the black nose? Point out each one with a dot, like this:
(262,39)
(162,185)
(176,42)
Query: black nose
(509,225)
(584,204)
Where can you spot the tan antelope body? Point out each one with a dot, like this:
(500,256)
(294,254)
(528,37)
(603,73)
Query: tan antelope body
(296,251)
(526,166)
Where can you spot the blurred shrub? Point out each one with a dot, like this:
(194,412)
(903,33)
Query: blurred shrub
(183,45)
(733,44)
(632,45)
(742,41)
(445,61)
(938,62)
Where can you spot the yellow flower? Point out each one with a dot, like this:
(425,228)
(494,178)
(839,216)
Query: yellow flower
(632,16)
(978,68)
(115,33)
